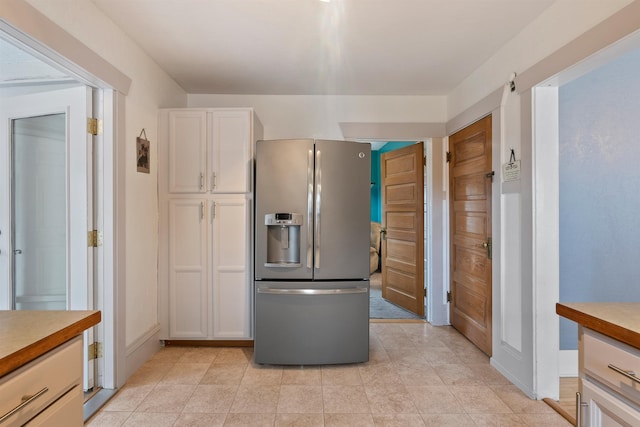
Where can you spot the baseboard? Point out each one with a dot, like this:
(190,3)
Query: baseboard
(142,349)
(568,363)
(208,343)
(526,390)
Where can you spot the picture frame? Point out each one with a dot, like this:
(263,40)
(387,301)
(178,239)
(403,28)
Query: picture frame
(142,154)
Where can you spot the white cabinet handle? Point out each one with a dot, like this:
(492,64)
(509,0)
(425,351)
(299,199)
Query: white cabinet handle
(201,180)
(26,400)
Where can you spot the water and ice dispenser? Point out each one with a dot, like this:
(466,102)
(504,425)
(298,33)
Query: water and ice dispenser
(283,239)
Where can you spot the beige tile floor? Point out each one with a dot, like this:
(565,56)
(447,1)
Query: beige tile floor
(418,375)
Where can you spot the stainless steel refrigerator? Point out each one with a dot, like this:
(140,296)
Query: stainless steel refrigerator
(312,221)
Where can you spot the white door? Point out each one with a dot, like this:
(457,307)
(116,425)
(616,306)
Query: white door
(188,284)
(187,151)
(229,153)
(230,275)
(39,231)
(45,202)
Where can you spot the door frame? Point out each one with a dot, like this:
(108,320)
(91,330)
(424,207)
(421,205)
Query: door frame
(436,223)
(29,29)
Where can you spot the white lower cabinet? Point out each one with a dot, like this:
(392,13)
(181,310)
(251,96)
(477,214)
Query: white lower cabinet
(230,262)
(47,391)
(610,391)
(604,409)
(208,255)
(188,269)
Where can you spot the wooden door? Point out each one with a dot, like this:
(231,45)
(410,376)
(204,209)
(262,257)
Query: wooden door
(402,174)
(470,179)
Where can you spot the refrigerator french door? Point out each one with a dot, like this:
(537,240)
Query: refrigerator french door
(312,252)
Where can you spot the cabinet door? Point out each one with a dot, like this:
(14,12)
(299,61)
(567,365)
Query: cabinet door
(230,154)
(187,151)
(188,282)
(605,409)
(231,296)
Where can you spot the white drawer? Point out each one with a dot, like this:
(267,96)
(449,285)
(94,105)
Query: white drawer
(57,372)
(602,354)
(65,412)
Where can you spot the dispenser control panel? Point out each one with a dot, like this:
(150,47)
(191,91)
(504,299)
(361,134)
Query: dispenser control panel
(283,219)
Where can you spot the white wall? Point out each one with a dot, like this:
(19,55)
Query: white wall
(559,24)
(286,116)
(151,89)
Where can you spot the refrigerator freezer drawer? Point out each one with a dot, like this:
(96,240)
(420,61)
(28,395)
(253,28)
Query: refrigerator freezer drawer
(311,323)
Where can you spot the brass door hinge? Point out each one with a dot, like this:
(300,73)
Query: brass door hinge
(448,296)
(94,126)
(94,238)
(448,156)
(94,351)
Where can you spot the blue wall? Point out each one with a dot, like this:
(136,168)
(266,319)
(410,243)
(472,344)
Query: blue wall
(600,188)
(376,203)
(376,200)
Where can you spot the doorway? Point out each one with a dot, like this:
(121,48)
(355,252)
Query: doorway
(39,212)
(381,307)
(591,114)
(47,202)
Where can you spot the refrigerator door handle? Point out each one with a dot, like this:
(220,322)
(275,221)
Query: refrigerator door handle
(342,291)
(318,206)
(309,208)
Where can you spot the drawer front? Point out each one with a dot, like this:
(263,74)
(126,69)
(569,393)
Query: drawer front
(601,352)
(57,372)
(66,411)
(604,409)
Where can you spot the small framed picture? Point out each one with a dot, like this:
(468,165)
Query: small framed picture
(142,151)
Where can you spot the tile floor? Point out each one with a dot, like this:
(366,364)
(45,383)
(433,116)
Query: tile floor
(418,375)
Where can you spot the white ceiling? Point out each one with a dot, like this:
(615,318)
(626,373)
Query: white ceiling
(348,47)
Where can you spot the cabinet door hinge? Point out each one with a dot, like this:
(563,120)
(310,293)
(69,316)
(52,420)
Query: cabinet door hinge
(448,156)
(94,238)
(94,351)
(448,296)
(94,126)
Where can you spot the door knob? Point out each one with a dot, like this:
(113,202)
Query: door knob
(17,251)
(488,246)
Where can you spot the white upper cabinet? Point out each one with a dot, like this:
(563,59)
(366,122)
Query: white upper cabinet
(187,151)
(210,151)
(230,154)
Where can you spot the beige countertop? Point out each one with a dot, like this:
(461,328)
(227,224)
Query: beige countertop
(27,335)
(618,320)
